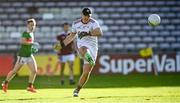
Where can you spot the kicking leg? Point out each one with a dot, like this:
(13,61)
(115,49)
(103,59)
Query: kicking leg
(85,53)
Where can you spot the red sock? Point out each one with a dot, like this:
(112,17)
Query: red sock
(30,85)
(6,82)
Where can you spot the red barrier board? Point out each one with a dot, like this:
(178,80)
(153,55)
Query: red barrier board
(6,64)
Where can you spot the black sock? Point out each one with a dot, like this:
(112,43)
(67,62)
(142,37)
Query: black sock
(78,88)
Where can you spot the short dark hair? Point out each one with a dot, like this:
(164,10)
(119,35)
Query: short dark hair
(31,20)
(65,24)
(87,12)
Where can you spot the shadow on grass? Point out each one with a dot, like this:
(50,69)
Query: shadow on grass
(20,99)
(102,97)
(101,81)
(147,98)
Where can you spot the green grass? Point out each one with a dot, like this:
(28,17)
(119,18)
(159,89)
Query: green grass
(134,88)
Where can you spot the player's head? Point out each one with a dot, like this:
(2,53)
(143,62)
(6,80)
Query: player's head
(31,24)
(86,14)
(65,27)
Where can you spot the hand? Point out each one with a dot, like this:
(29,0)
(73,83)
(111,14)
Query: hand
(34,50)
(57,46)
(35,47)
(83,34)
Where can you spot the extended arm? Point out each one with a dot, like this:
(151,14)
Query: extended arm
(62,43)
(69,39)
(95,32)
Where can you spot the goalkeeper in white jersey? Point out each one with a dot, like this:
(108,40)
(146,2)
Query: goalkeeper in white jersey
(87,31)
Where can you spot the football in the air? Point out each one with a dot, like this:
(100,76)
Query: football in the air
(154,20)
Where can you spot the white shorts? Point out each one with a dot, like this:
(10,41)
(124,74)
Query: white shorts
(25,60)
(67,58)
(93,50)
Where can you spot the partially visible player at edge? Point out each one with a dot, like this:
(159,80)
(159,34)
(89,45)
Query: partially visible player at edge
(25,56)
(87,30)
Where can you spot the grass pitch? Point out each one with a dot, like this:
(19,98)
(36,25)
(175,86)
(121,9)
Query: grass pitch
(136,88)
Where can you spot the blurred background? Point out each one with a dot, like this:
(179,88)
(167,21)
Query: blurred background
(125,28)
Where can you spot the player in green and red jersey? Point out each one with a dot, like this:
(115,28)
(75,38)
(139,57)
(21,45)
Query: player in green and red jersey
(25,56)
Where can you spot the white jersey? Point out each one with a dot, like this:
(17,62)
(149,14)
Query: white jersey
(79,26)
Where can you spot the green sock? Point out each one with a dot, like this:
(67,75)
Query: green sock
(89,58)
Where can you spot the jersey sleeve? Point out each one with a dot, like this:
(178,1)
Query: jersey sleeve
(73,28)
(61,37)
(96,25)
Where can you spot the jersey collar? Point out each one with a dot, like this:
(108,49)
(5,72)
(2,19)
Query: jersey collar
(87,22)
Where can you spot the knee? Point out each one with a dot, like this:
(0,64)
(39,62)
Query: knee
(82,51)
